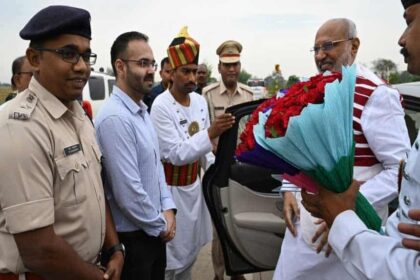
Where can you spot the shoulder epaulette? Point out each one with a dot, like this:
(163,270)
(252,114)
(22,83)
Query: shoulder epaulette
(246,88)
(211,86)
(23,106)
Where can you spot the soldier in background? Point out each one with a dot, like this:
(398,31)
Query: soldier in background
(229,91)
(219,96)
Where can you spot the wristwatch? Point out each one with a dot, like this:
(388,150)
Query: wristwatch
(115,248)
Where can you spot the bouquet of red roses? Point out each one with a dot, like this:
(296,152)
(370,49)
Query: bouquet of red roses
(308,136)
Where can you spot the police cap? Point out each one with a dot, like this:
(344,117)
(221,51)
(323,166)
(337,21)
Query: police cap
(229,51)
(56,20)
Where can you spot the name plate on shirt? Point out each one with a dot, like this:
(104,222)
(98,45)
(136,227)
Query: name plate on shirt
(72,149)
(182,122)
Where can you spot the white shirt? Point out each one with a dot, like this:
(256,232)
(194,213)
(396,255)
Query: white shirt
(172,122)
(368,255)
(383,125)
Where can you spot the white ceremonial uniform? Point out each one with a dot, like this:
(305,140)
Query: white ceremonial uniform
(177,146)
(384,128)
(367,255)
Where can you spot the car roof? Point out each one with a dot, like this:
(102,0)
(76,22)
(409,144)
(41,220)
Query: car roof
(104,75)
(410,89)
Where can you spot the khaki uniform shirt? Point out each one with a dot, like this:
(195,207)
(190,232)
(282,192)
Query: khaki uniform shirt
(50,175)
(218,100)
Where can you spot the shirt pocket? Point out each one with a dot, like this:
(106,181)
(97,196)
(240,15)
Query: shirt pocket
(73,179)
(219,110)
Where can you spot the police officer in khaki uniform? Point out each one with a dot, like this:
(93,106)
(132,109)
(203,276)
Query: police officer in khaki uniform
(53,216)
(228,91)
(219,96)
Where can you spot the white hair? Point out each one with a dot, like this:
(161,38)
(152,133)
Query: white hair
(351,28)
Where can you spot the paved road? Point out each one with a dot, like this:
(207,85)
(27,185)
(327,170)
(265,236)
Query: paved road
(203,268)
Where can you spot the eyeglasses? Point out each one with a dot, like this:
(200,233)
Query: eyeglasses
(143,63)
(27,73)
(329,45)
(72,56)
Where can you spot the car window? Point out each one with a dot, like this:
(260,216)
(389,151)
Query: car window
(96,88)
(412,120)
(111,83)
(411,106)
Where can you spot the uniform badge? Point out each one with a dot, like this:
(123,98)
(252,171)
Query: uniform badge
(18,116)
(72,149)
(193,128)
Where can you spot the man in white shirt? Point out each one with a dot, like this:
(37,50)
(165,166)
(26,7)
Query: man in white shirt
(365,254)
(381,141)
(181,119)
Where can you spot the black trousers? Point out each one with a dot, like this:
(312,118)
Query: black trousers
(145,256)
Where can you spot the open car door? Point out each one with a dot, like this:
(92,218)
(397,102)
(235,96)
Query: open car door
(244,203)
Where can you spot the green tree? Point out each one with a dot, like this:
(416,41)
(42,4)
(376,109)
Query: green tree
(406,77)
(293,79)
(384,68)
(244,76)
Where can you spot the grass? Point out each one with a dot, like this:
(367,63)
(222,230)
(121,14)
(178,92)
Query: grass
(4,91)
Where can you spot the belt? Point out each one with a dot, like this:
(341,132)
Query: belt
(27,276)
(183,175)
(132,234)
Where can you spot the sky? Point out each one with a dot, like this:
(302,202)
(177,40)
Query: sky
(271,31)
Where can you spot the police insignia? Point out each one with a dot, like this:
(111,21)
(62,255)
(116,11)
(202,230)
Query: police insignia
(18,116)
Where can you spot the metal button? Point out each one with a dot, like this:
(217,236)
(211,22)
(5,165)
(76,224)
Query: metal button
(30,98)
(407,200)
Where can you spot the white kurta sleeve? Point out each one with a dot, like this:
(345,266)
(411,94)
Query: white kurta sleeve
(173,147)
(368,255)
(386,133)
(209,158)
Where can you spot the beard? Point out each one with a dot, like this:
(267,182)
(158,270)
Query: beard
(329,64)
(187,88)
(141,84)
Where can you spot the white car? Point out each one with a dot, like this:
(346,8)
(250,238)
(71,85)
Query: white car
(97,90)
(258,88)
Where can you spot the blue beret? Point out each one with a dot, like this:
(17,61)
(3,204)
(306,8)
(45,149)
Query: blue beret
(56,20)
(408,3)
